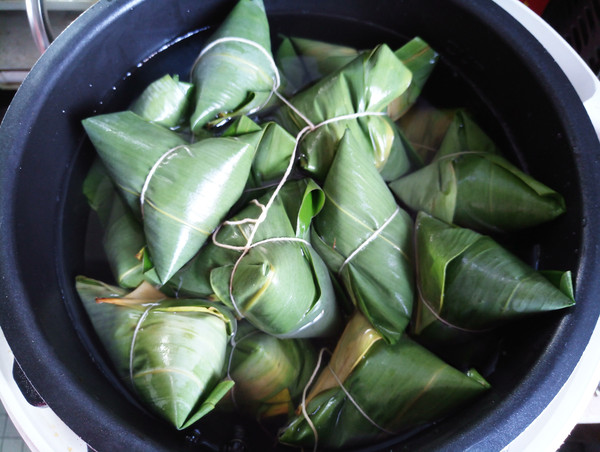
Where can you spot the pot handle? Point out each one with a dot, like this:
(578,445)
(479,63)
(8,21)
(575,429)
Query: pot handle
(580,75)
(39,24)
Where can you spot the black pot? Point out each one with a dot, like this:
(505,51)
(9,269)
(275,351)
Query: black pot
(491,64)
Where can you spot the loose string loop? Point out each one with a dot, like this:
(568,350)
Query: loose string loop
(372,237)
(261,242)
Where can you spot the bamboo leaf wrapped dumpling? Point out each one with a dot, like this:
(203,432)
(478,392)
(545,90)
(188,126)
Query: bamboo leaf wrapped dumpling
(235,73)
(171,352)
(123,236)
(366,239)
(303,61)
(188,196)
(273,153)
(471,185)
(269,373)
(469,283)
(425,126)
(185,190)
(129,146)
(364,87)
(281,285)
(165,101)
(371,390)
(421,60)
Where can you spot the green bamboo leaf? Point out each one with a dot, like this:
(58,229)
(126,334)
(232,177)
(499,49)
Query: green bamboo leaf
(256,288)
(99,190)
(129,146)
(281,286)
(165,101)
(470,185)
(432,189)
(291,68)
(304,61)
(240,126)
(561,280)
(303,200)
(392,388)
(274,151)
(366,85)
(123,236)
(468,282)
(269,373)
(209,404)
(283,289)
(194,279)
(402,158)
(233,78)
(465,134)
(188,195)
(365,238)
(420,59)
(171,352)
(123,240)
(425,127)
(107,322)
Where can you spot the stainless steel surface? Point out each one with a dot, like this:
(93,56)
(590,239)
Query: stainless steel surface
(18,51)
(51,5)
(39,24)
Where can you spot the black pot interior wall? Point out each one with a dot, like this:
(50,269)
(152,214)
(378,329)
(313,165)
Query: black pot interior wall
(489,65)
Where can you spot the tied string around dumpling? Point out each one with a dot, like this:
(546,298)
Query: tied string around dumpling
(250,244)
(276,76)
(310,127)
(138,326)
(234,343)
(150,174)
(433,311)
(440,319)
(422,298)
(372,237)
(343,388)
(265,208)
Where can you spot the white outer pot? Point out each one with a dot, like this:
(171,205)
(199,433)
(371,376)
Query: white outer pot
(41,429)
(575,402)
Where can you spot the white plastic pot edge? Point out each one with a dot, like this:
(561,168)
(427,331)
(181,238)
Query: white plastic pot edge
(41,429)
(572,404)
(582,78)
